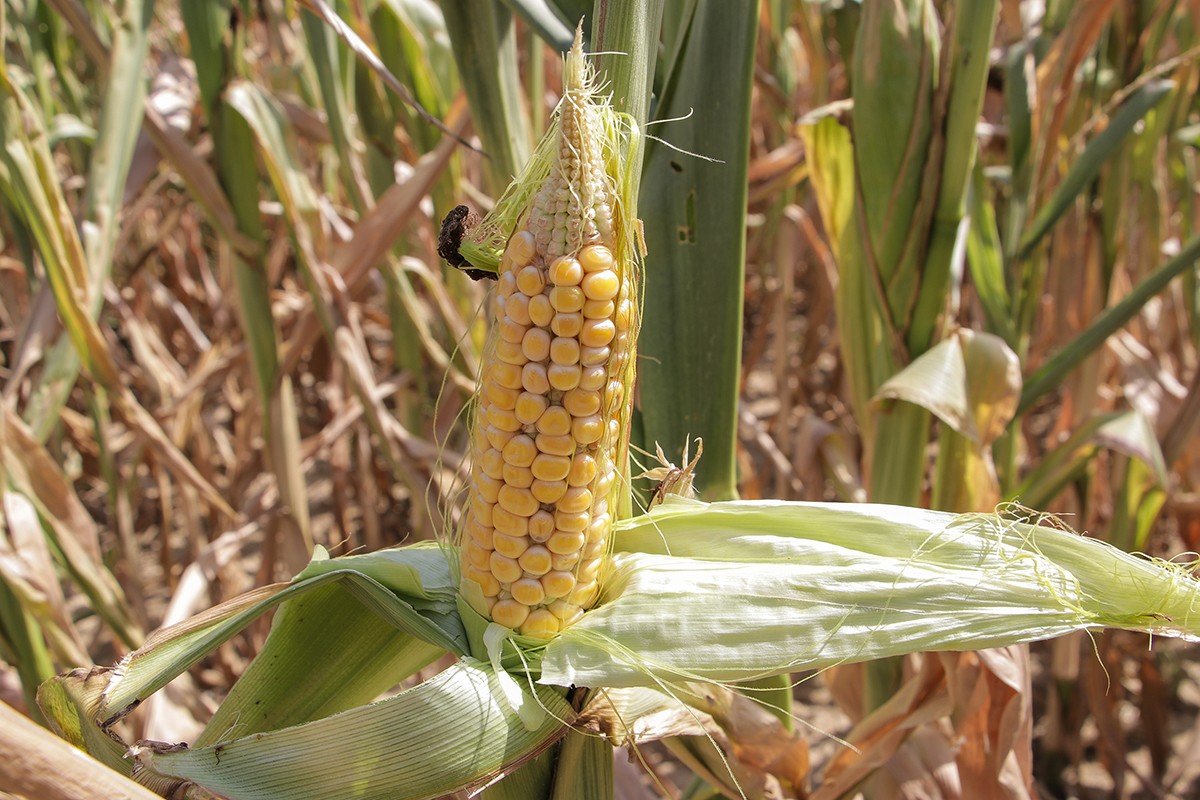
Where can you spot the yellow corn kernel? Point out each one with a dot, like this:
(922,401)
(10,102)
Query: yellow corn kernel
(541,525)
(487,487)
(584,594)
(534,378)
(510,524)
(501,397)
(572,521)
(503,568)
(518,501)
(595,258)
(602,285)
(593,356)
(581,402)
(529,591)
(575,500)
(519,451)
(597,333)
(583,470)
(530,280)
(512,331)
(497,438)
(567,298)
(529,407)
(566,271)
(506,284)
(520,477)
(482,535)
(511,353)
(593,377)
(588,430)
(570,324)
(565,560)
(521,248)
(510,546)
(566,613)
(540,624)
(540,311)
(550,468)
(492,463)
(548,492)
(561,445)
(555,421)
(558,583)
(536,344)
(598,309)
(564,351)
(536,560)
(563,542)
(481,512)
(487,582)
(516,308)
(563,377)
(477,556)
(624,316)
(510,613)
(503,418)
(507,375)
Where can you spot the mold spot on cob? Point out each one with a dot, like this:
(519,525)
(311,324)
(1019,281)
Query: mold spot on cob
(550,435)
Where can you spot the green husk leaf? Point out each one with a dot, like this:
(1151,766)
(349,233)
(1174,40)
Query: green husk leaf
(384,748)
(759,588)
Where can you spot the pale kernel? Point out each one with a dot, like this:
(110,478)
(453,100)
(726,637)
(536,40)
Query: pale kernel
(583,470)
(570,324)
(512,331)
(584,594)
(590,356)
(521,248)
(566,613)
(498,438)
(565,560)
(511,353)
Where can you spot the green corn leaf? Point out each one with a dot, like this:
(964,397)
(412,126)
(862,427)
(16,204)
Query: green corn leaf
(759,588)
(690,341)
(543,18)
(1095,155)
(1047,377)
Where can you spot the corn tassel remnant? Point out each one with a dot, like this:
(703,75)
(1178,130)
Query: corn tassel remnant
(551,433)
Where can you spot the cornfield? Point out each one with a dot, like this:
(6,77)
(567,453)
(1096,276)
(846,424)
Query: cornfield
(540,399)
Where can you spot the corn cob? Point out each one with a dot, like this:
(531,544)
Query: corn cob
(549,434)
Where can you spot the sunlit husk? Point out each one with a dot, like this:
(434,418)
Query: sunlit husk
(759,588)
